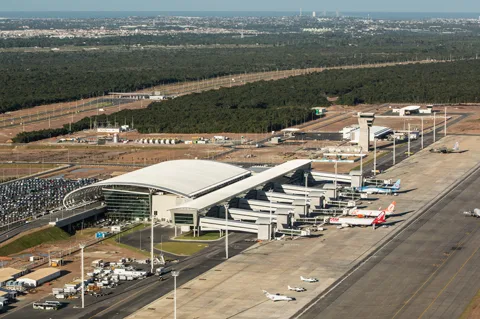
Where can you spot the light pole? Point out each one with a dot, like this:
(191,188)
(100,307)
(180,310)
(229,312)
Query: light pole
(305,174)
(226,230)
(270,191)
(375,157)
(445,123)
(175,274)
(394,141)
(150,194)
(434,127)
(82,247)
(422,132)
(335,179)
(408,152)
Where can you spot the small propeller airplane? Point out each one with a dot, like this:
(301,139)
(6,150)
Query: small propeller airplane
(277,297)
(297,289)
(446,150)
(311,279)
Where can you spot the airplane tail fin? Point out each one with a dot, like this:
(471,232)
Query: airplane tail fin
(396,185)
(265,292)
(380,219)
(301,278)
(456,147)
(391,207)
(289,288)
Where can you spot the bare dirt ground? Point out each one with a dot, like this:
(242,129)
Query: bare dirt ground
(470,125)
(57,122)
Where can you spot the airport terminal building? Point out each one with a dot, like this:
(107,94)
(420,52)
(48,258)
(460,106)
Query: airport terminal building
(182,192)
(170,184)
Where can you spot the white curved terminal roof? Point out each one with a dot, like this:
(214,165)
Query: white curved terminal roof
(183,177)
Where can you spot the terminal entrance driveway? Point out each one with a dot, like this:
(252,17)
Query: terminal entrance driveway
(429,270)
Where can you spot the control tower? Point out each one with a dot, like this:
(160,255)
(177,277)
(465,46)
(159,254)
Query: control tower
(365,120)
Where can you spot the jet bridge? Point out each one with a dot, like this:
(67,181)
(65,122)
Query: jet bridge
(322,176)
(262,205)
(261,227)
(299,190)
(249,215)
(282,198)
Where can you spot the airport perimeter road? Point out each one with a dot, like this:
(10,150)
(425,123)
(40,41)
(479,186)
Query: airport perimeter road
(42,221)
(131,296)
(428,270)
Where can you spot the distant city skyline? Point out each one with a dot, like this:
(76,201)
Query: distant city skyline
(245,5)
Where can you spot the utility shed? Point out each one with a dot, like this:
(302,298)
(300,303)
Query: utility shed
(40,276)
(7,274)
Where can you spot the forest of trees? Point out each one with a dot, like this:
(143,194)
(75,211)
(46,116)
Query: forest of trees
(273,105)
(33,78)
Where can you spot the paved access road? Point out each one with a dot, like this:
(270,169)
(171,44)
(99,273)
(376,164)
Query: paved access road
(131,296)
(428,270)
(43,221)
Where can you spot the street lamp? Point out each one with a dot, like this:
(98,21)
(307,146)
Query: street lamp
(422,132)
(445,123)
(270,191)
(226,230)
(408,153)
(150,194)
(175,274)
(82,247)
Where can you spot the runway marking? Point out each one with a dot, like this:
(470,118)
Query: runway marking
(430,277)
(449,282)
(455,184)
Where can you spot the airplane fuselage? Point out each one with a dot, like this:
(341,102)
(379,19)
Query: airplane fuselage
(364,213)
(354,221)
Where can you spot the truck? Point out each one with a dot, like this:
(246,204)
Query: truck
(47,305)
(160,271)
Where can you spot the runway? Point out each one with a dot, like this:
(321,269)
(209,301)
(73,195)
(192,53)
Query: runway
(429,269)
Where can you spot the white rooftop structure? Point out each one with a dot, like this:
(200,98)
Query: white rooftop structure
(188,178)
(233,190)
(353,132)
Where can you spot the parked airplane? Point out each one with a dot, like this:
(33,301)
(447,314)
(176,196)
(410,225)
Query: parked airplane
(297,289)
(277,297)
(311,279)
(380,190)
(354,221)
(473,213)
(445,150)
(371,213)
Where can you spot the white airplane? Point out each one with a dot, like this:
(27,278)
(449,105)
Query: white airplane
(474,213)
(311,279)
(277,297)
(380,190)
(361,213)
(297,289)
(354,221)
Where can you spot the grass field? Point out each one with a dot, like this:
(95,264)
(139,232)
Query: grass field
(43,236)
(181,248)
(203,236)
(113,240)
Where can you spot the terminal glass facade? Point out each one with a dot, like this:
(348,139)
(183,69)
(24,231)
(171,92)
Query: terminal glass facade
(126,205)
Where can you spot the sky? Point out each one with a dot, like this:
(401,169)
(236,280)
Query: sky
(243,5)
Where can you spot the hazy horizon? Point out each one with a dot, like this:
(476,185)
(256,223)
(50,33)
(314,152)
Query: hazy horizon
(441,6)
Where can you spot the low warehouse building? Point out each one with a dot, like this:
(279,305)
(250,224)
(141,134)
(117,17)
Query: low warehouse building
(40,276)
(8,273)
